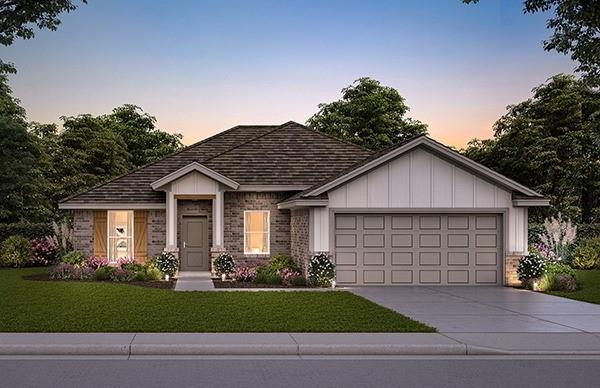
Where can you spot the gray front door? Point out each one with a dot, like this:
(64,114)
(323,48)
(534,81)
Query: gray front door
(194,244)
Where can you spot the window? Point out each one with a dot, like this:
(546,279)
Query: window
(256,232)
(120,234)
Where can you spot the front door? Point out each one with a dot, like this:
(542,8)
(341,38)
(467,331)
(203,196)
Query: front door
(194,244)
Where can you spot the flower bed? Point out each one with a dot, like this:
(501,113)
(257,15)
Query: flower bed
(235,284)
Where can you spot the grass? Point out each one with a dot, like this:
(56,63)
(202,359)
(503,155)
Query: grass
(588,287)
(39,306)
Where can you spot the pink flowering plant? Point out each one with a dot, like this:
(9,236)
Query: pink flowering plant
(244,274)
(96,262)
(43,251)
(288,275)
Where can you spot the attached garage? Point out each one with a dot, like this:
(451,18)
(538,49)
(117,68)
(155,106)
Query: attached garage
(420,214)
(418,249)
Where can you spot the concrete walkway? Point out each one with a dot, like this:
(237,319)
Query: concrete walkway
(194,281)
(140,345)
(487,309)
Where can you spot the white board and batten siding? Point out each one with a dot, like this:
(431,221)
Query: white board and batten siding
(421,180)
(194,183)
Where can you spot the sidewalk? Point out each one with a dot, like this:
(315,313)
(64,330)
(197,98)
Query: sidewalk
(127,345)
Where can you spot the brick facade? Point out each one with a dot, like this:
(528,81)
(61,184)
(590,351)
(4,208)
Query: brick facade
(83,231)
(511,263)
(236,203)
(194,208)
(299,237)
(157,231)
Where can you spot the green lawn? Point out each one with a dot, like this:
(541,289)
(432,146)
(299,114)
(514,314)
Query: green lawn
(589,287)
(44,306)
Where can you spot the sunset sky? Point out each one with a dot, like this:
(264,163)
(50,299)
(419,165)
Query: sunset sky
(203,66)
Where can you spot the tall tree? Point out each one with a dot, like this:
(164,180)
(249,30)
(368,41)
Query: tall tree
(576,32)
(368,114)
(17,18)
(551,142)
(23,189)
(144,142)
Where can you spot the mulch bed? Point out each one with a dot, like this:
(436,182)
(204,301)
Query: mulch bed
(229,284)
(164,285)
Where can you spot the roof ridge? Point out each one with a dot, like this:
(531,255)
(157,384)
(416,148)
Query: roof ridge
(335,138)
(196,144)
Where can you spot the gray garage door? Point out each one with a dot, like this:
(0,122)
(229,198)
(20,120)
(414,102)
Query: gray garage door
(418,249)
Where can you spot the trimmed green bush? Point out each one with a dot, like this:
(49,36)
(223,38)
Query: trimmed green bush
(148,272)
(104,273)
(298,281)
(587,254)
(557,276)
(166,262)
(15,252)
(281,261)
(74,258)
(265,276)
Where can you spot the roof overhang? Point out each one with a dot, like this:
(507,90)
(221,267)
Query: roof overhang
(437,148)
(295,203)
(110,206)
(194,166)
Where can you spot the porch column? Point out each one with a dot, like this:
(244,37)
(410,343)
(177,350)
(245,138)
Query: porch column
(218,209)
(171,222)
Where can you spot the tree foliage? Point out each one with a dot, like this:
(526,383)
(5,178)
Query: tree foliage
(551,142)
(368,114)
(576,32)
(17,18)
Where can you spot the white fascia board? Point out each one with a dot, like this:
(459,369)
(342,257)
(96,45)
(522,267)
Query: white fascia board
(303,203)
(110,206)
(531,202)
(194,166)
(432,145)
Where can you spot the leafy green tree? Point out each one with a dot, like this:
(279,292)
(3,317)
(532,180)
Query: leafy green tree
(17,18)
(144,142)
(576,32)
(88,153)
(23,188)
(551,142)
(368,114)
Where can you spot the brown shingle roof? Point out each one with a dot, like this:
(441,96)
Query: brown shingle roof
(287,154)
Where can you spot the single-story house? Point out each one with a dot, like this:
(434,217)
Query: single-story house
(418,213)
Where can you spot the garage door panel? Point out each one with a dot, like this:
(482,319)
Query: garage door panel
(418,249)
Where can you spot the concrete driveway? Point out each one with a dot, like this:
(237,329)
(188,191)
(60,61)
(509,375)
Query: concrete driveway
(487,309)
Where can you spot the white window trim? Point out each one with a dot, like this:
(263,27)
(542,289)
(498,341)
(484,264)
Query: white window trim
(108,234)
(268,252)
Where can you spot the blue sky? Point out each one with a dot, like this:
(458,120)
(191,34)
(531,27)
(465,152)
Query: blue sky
(203,66)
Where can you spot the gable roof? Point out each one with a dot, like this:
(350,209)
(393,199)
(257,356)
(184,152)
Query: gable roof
(287,154)
(194,166)
(437,148)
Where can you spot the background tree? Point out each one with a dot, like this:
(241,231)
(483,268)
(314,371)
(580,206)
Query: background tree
(551,143)
(23,188)
(144,142)
(17,18)
(368,114)
(576,32)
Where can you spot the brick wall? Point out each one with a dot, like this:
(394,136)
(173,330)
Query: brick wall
(83,231)
(194,208)
(299,238)
(157,231)
(511,264)
(236,203)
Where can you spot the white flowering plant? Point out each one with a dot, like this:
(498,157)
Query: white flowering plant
(224,264)
(321,270)
(530,267)
(556,241)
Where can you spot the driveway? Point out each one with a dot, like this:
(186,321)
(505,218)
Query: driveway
(487,309)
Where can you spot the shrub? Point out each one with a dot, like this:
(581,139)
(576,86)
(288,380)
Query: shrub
(587,254)
(166,262)
(551,281)
(148,272)
(43,251)
(64,271)
(97,262)
(530,267)
(15,252)
(224,264)
(29,230)
(129,264)
(558,236)
(265,276)
(75,258)
(558,268)
(280,262)
(121,275)
(287,275)
(321,270)
(244,274)
(298,281)
(104,273)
